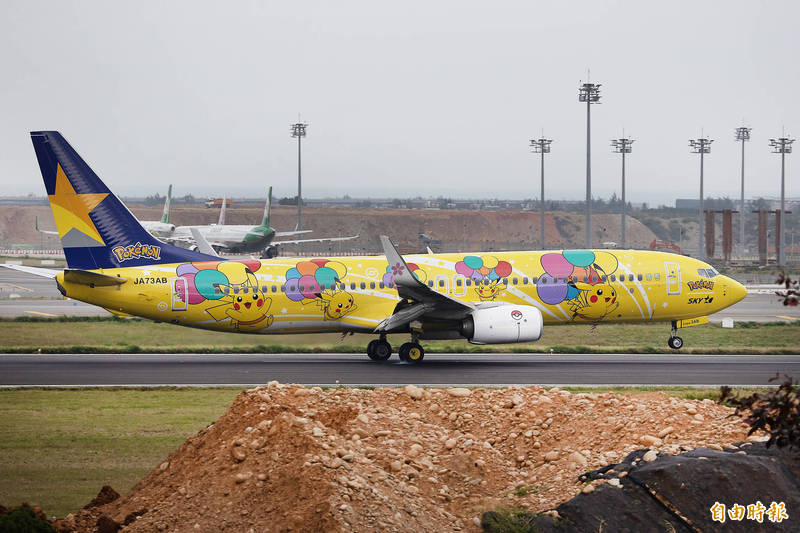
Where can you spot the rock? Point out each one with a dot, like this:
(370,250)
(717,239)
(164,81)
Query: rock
(650,456)
(578,458)
(757,438)
(106,524)
(551,456)
(396,466)
(238,453)
(614,482)
(450,443)
(666,431)
(241,477)
(414,391)
(649,440)
(302,391)
(105,496)
(163,466)
(364,419)
(317,432)
(415,450)
(459,392)
(588,489)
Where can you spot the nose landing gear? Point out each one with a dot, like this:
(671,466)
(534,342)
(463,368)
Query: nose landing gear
(674,341)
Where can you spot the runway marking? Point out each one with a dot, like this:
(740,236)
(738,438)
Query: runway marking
(787,317)
(40,313)
(19,287)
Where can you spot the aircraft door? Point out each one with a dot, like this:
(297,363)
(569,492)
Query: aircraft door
(179,294)
(673,271)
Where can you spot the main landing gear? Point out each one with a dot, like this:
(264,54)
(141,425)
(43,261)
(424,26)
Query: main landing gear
(674,341)
(379,349)
(410,352)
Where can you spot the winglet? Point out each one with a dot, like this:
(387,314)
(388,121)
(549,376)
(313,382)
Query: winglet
(221,221)
(202,243)
(400,271)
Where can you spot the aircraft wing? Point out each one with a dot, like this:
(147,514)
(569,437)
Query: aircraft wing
(321,239)
(202,243)
(425,302)
(291,233)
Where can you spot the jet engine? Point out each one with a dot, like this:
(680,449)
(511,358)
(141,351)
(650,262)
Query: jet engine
(503,324)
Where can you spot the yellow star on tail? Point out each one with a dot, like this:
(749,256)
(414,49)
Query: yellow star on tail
(71,210)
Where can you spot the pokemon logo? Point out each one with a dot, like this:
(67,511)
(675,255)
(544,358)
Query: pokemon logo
(701,284)
(136,251)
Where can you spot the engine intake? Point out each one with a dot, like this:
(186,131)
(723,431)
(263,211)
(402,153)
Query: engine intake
(504,324)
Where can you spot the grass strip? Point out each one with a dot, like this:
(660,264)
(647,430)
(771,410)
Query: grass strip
(94,335)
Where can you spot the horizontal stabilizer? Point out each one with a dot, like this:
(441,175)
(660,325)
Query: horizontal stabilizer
(93,279)
(36,271)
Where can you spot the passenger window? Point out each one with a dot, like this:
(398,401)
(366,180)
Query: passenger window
(371,284)
(649,277)
(658,276)
(390,285)
(534,280)
(441,283)
(236,290)
(514,281)
(603,278)
(274,288)
(302,288)
(505,282)
(363,285)
(430,283)
(586,279)
(639,277)
(525,281)
(458,283)
(244,289)
(468,282)
(630,277)
(613,277)
(352,286)
(216,289)
(380,285)
(342,286)
(283,288)
(543,280)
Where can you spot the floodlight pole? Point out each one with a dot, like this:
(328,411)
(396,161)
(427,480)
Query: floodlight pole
(622,146)
(701,146)
(783,146)
(299,131)
(589,93)
(541,146)
(742,134)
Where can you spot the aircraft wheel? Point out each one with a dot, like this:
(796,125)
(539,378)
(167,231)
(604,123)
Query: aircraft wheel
(412,352)
(269,252)
(379,350)
(675,342)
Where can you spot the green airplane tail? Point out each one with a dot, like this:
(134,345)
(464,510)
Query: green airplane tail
(267,208)
(165,215)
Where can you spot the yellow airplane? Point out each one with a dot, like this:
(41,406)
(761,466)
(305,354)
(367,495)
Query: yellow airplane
(486,298)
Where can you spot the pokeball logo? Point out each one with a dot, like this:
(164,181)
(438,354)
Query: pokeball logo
(516,315)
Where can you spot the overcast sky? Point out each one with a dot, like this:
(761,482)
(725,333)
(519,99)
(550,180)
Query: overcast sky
(403,98)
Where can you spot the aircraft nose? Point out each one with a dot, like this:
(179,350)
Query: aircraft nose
(736,291)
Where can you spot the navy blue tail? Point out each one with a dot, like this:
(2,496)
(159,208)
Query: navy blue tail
(95,227)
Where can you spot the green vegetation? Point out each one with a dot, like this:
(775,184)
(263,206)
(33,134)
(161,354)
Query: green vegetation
(502,520)
(114,335)
(59,447)
(24,520)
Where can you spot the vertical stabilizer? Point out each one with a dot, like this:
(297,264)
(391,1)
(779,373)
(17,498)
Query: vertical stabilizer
(165,215)
(267,209)
(95,227)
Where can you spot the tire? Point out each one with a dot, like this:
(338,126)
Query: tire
(676,343)
(382,351)
(412,352)
(371,349)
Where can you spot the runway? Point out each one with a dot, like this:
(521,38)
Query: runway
(37,296)
(353,370)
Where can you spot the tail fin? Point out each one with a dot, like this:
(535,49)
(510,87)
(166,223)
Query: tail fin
(221,221)
(267,209)
(95,227)
(165,216)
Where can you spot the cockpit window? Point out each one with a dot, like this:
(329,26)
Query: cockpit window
(707,272)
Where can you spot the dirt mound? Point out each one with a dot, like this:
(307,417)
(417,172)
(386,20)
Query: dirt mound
(288,458)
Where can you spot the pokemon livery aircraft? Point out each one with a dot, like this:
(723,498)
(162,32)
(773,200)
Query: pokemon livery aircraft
(486,298)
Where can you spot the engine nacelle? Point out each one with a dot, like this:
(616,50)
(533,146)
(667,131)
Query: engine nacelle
(503,324)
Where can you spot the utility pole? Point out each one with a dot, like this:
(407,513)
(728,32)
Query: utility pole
(622,146)
(783,146)
(299,131)
(743,135)
(589,93)
(701,146)
(541,146)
